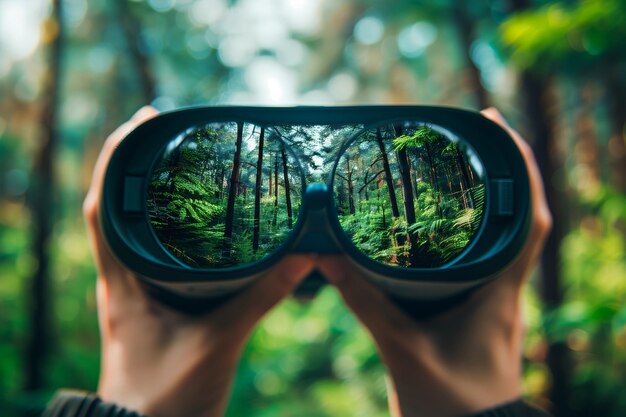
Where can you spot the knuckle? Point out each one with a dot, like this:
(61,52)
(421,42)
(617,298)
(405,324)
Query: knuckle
(544,220)
(90,208)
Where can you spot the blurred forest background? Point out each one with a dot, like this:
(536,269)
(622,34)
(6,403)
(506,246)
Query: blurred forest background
(73,70)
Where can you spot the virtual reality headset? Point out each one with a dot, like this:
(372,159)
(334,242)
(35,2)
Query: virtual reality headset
(428,203)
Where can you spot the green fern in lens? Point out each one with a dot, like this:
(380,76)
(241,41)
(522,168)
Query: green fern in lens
(184,218)
(421,136)
(444,238)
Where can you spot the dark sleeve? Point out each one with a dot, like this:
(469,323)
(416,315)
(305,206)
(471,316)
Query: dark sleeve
(518,408)
(81,404)
(78,404)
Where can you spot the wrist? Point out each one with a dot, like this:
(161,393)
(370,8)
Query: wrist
(434,392)
(197,387)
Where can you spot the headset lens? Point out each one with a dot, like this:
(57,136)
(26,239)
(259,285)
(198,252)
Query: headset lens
(409,194)
(224,194)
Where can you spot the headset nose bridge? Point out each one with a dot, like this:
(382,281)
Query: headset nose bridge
(317,234)
(317,196)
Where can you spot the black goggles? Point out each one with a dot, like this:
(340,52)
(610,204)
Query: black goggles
(427,202)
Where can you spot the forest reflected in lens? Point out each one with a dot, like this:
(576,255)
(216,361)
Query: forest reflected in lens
(409,194)
(224,194)
(227,194)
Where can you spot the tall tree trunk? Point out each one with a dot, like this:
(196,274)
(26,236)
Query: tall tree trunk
(382,207)
(434,177)
(271,186)
(395,212)
(42,194)
(466,29)
(586,150)
(616,95)
(448,172)
(275,220)
(409,205)
(464,178)
(222,179)
(350,185)
(414,175)
(407,190)
(232,194)
(131,28)
(340,193)
(538,110)
(257,193)
(287,190)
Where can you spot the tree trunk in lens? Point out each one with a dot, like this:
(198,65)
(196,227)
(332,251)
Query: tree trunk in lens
(449,175)
(407,193)
(414,175)
(471,175)
(350,185)
(41,199)
(382,207)
(465,180)
(395,212)
(287,191)
(257,193)
(275,220)
(271,186)
(616,95)
(222,182)
(340,193)
(466,29)
(131,28)
(434,176)
(232,194)
(407,190)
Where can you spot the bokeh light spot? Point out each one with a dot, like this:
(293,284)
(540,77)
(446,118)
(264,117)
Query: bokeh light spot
(271,82)
(342,86)
(413,40)
(369,30)
(161,5)
(237,50)
(20,28)
(303,16)
(291,52)
(207,12)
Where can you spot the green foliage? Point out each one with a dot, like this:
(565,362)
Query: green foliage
(443,238)
(421,137)
(566,34)
(371,232)
(184,217)
(448,209)
(310,359)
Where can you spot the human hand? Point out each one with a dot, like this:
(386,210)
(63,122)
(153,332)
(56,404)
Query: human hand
(469,358)
(155,360)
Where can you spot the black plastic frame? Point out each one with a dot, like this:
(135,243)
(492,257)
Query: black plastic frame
(130,237)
